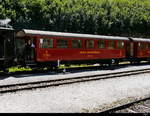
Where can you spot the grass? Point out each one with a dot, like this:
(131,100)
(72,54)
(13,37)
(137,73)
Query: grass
(15,69)
(74,66)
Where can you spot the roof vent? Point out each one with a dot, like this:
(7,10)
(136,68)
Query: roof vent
(5,22)
(130,38)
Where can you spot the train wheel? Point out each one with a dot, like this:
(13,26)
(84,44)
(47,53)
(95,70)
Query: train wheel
(55,67)
(131,62)
(36,69)
(117,62)
(50,68)
(114,62)
(6,71)
(137,62)
(67,65)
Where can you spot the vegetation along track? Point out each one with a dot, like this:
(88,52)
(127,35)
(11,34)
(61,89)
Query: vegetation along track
(57,82)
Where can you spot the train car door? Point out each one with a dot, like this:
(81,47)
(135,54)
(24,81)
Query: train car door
(30,49)
(7,44)
(129,49)
(1,47)
(9,48)
(25,49)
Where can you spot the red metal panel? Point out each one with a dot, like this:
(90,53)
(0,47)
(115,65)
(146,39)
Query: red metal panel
(77,54)
(53,54)
(143,53)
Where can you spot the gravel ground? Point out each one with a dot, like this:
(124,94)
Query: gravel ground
(141,107)
(78,97)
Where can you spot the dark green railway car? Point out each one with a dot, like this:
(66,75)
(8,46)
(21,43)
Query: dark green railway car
(7,48)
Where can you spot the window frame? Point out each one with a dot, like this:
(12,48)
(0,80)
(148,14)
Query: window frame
(46,38)
(111,47)
(79,42)
(93,46)
(62,47)
(99,46)
(148,45)
(121,45)
(142,46)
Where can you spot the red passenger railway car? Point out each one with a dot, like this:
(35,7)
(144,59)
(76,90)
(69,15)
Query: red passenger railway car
(40,49)
(141,49)
(51,49)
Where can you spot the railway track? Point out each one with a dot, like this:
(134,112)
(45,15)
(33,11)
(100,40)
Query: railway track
(57,82)
(136,106)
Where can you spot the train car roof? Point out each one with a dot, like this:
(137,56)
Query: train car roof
(141,39)
(27,32)
(5,28)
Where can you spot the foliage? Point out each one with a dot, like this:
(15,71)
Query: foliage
(106,17)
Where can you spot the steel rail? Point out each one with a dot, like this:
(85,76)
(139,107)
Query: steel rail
(127,107)
(57,82)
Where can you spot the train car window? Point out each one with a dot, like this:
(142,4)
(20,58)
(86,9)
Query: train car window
(62,43)
(147,46)
(139,45)
(1,47)
(101,44)
(120,44)
(89,43)
(111,44)
(46,43)
(76,43)
(143,46)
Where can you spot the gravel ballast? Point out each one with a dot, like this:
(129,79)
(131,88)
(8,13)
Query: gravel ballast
(78,97)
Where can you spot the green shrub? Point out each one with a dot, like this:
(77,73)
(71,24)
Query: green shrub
(106,17)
